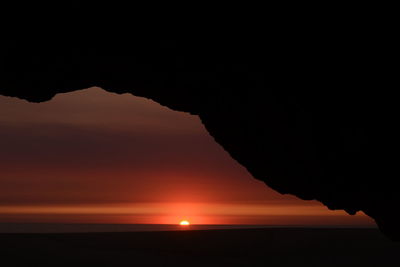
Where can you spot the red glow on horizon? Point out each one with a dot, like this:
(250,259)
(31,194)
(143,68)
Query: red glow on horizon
(196,213)
(95,157)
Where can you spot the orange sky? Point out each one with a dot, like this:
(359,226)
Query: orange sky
(96,157)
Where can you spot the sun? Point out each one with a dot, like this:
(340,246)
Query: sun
(184,223)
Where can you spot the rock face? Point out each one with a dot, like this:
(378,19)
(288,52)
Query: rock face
(310,115)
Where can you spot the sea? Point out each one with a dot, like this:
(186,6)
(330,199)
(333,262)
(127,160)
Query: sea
(104,228)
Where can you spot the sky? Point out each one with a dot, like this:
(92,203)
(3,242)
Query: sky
(91,156)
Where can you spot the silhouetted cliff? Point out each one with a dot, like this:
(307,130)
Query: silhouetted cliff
(310,114)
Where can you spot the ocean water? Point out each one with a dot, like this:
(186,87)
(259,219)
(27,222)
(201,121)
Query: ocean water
(101,228)
(93,228)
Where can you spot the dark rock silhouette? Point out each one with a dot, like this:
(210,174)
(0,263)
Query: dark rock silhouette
(240,247)
(310,113)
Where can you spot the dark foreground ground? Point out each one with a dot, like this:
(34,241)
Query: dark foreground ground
(246,247)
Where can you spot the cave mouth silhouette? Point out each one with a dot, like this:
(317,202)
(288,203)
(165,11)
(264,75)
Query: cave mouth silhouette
(314,121)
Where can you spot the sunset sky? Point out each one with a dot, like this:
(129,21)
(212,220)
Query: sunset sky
(96,157)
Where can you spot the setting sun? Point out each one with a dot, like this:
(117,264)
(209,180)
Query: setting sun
(184,223)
